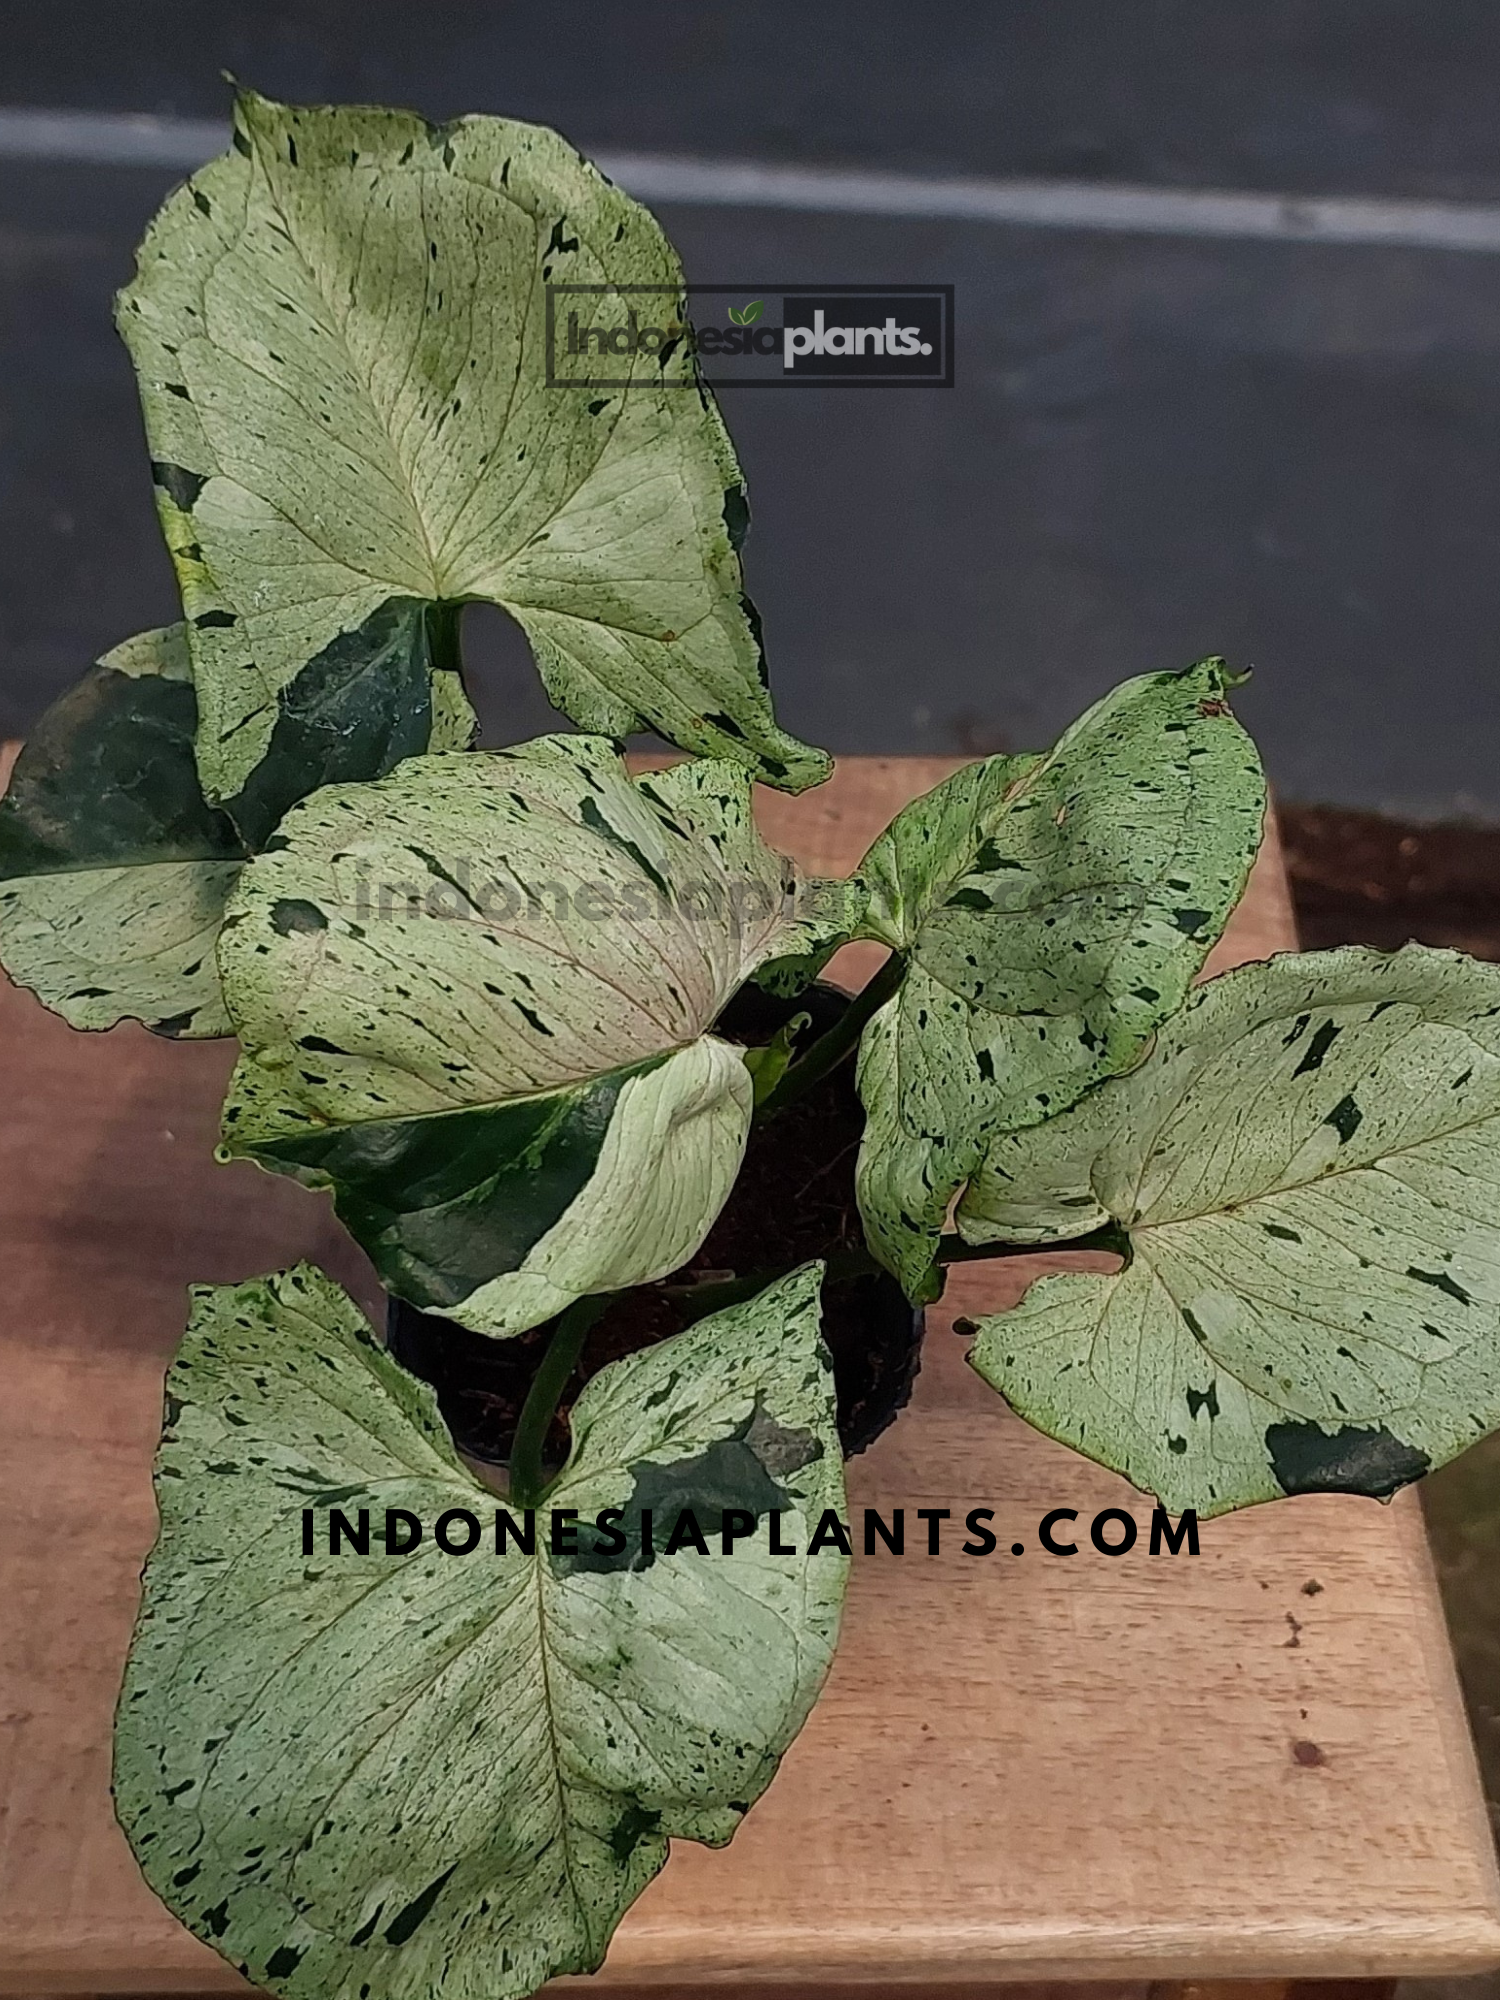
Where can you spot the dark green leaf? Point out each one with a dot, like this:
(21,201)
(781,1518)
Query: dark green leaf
(114,869)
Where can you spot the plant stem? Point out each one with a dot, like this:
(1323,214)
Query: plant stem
(528,1481)
(444,645)
(829,1050)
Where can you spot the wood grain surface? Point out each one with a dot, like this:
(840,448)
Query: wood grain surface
(1251,1764)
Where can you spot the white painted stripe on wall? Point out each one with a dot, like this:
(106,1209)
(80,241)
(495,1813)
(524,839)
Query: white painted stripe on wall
(110,138)
(98,138)
(1061,204)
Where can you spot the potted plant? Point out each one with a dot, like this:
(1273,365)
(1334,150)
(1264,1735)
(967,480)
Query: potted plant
(552,1036)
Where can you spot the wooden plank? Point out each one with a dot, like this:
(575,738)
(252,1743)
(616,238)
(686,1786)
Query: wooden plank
(1022,1768)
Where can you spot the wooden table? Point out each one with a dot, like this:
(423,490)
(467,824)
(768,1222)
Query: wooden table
(1251,1765)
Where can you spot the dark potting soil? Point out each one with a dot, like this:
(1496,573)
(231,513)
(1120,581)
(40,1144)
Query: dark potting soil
(1363,878)
(794,1200)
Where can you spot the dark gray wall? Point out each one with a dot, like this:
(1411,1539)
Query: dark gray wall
(1156,448)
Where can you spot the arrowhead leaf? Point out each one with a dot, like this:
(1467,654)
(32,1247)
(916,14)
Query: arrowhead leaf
(114,868)
(395,1773)
(1054,911)
(475,1001)
(1304,1172)
(342,332)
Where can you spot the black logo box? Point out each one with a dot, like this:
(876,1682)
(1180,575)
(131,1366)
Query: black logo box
(927,307)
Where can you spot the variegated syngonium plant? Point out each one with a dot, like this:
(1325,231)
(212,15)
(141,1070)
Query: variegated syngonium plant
(480,997)
(476,1000)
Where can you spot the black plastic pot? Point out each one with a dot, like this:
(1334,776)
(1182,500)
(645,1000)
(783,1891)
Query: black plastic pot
(479,1381)
(873,1336)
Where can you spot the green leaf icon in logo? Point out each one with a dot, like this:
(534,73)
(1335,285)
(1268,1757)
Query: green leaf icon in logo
(747,315)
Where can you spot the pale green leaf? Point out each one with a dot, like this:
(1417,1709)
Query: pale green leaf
(341,331)
(831,910)
(932,844)
(1306,1175)
(395,1775)
(475,1000)
(769,1063)
(1053,911)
